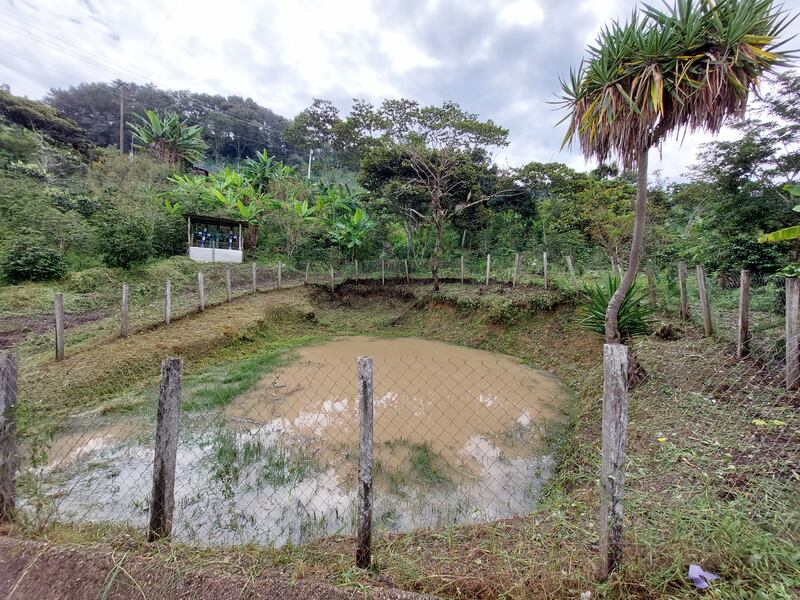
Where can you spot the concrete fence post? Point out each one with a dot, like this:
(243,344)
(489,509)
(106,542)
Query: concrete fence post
(743,330)
(365,461)
(571,269)
(280,272)
(705,307)
(612,469)
(123,324)
(168,302)
(255,278)
(162,502)
(58,306)
(462,266)
(201,290)
(332,286)
(515,276)
(408,277)
(792,333)
(305,279)
(8,435)
(488,267)
(684,294)
(228,295)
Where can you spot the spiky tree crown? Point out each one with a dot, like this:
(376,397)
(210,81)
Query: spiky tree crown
(690,66)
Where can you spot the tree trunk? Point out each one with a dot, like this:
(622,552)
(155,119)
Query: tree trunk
(437,250)
(612,312)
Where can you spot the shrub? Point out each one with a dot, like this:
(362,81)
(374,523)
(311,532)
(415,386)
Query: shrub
(635,317)
(169,235)
(125,239)
(30,258)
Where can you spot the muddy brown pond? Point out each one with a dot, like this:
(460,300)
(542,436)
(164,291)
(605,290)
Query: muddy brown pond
(460,436)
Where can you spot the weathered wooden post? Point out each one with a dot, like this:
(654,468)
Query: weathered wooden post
(58,305)
(742,330)
(488,267)
(515,276)
(572,273)
(279,274)
(201,290)
(383,272)
(8,435)
(168,303)
(332,286)
(792,333)
(365,462)
(544,267)
(408,277)
(228,295)
(684,294)
(462,265)
(702,288)
(255,280)
(123,325)
(651,287)
(162,503)
(612,469)
(305,279)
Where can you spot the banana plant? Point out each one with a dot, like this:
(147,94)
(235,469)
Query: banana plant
(787,233)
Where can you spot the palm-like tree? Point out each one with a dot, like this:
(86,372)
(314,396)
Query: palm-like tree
(168,138)
(690,66)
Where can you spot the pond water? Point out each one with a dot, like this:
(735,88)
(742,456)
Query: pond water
(459,437)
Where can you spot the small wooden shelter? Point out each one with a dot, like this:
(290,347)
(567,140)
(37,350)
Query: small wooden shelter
(214,239)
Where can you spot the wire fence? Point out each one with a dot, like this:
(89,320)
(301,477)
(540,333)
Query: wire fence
(280,459)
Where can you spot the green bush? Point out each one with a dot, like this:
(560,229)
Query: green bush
(125,239)
(169,235)
(635,317)
(30,258)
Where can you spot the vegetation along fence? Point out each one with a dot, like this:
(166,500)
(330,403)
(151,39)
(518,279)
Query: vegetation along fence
(323,446)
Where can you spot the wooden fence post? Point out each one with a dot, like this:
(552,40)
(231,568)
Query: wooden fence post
(279,274)
(305,279)
(58,305)
(488,267)
(544,266)
(651,287)
(228,284)
(383,272)
(365,462)
(162,503)
(8,435)
(408,278)
(332,286)
(515,276)
(684,294)
(168,303)
(123,325)
(742,331)
(201,290)
(255,279)
(612,470)
(792,333)
(572,272)
(702,287)
(462,265)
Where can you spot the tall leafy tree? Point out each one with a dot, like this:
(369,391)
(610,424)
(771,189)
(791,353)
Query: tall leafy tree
(690,66)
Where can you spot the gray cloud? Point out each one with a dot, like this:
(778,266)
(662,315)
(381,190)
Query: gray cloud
(499,58)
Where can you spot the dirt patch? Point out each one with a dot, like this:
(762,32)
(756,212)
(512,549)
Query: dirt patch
(49,572)
(15,330)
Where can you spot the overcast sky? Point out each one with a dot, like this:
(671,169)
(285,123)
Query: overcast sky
(499,58)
